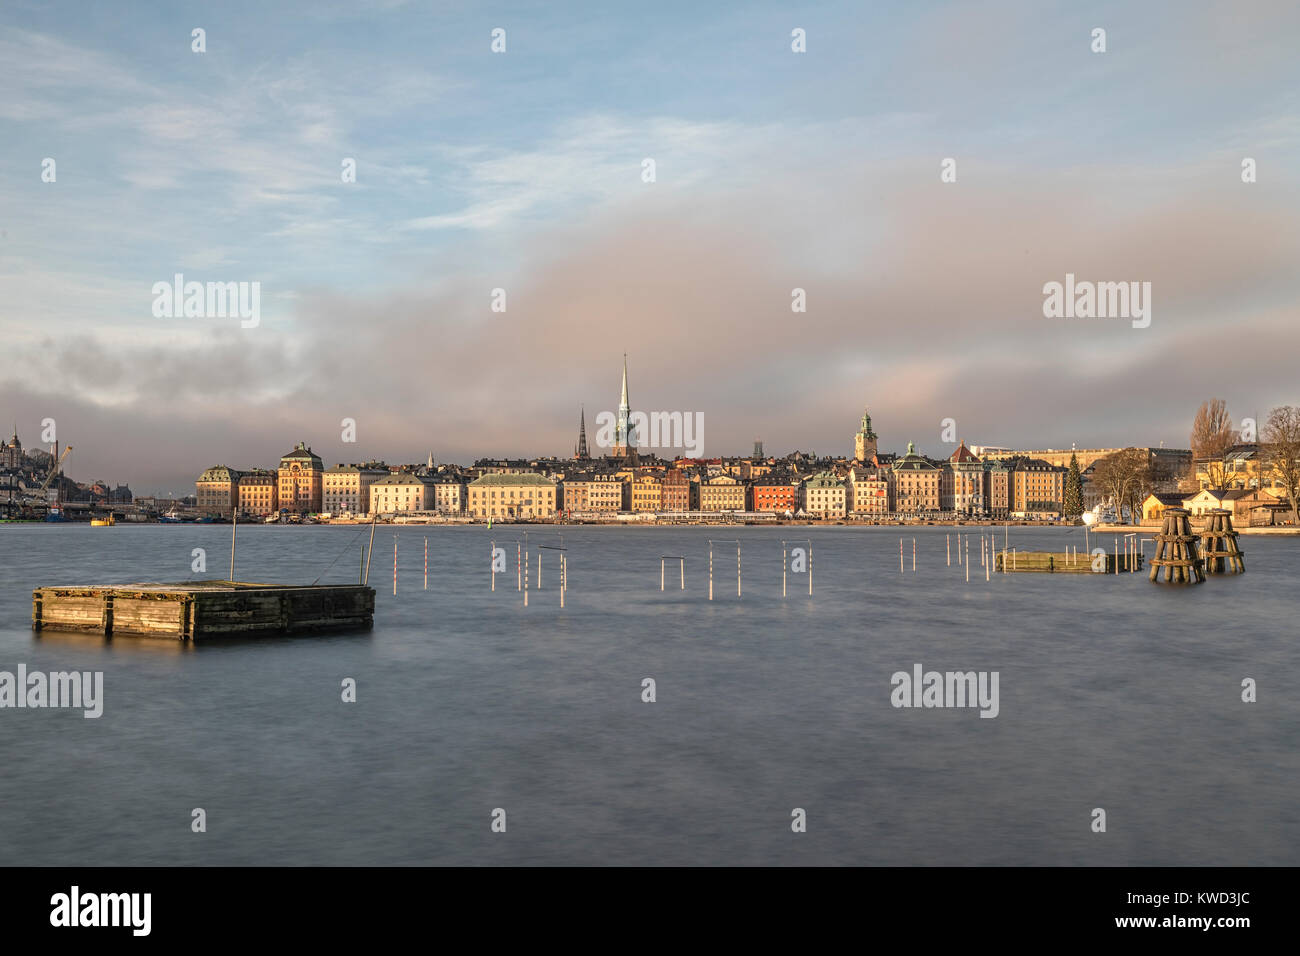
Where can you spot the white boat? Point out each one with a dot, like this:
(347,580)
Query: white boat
(1102,513)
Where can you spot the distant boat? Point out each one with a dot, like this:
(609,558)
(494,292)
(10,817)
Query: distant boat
(271,519)
(103,522)
(206,519)
(170,517)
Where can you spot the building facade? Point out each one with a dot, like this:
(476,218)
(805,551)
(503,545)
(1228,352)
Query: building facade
(300,476)
(824,496)
(259,493)
(345,489)
(217,491)
(777,494)
(524,495)
(916,483)
(647,493)
(722,493)
(400,491)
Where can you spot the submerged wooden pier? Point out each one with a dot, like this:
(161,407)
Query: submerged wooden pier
(193,610)
(1065,562)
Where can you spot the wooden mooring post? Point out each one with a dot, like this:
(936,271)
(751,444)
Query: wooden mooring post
(1220,551)
(1176,550)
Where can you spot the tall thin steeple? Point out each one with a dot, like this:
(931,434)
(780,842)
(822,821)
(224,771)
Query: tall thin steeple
(624,440)
(581,450)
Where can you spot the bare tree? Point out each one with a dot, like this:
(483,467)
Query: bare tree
(1212,436)
(1281,453)
(1126,478)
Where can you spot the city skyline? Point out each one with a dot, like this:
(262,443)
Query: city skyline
(523,171)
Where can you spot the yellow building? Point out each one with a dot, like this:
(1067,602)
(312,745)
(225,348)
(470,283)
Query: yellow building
(259,493)
(823,496)
(722,493)
(520,495)
(402,491)
(867,491)
(346,488)
(647,493)
(300,480)
(217,490)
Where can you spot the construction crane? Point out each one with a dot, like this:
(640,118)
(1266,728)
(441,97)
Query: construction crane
(39,495)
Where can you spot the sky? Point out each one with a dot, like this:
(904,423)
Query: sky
(524,171)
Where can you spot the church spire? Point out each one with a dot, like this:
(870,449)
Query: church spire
(624,439)
(581,450)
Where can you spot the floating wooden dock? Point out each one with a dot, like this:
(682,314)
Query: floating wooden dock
(194,610)
(1063,562)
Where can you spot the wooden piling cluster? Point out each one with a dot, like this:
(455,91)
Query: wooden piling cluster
(1177,550)
(203,609)
(1220,552)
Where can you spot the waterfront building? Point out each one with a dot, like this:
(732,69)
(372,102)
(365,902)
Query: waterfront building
(259,493)
(1037,488)
(722,492)
(572,491)
(1242,466)
(1156,504)
(864,442)
(646,492)
(676,491)
(345,489)
(823,496)
(217,491)
(400,491)
(867,491)
(776,493)
(300,475)
(916,483)
(522,495)
(997,485)
(448,493)
(961,484)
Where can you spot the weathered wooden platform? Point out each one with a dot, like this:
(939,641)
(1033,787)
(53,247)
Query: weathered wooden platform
(193,610)
(1060,562)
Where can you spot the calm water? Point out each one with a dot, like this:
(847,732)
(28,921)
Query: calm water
(1114,693)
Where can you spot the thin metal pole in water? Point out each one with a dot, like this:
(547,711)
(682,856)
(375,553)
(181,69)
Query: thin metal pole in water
(710,572)
(426,563)
(370,549)
(234,523)
(394,564)
(968,559)
(737,569)
(682,566)
(948,543)
(562,558)
(913,554)
(661,573)
(525,556)
(783,564)
(361,571)
(988,565)
(493,562)
(810,569)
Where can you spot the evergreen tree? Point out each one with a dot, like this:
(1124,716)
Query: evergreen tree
(1072,506)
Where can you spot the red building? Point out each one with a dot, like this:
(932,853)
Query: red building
(676,491)
(775,493)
